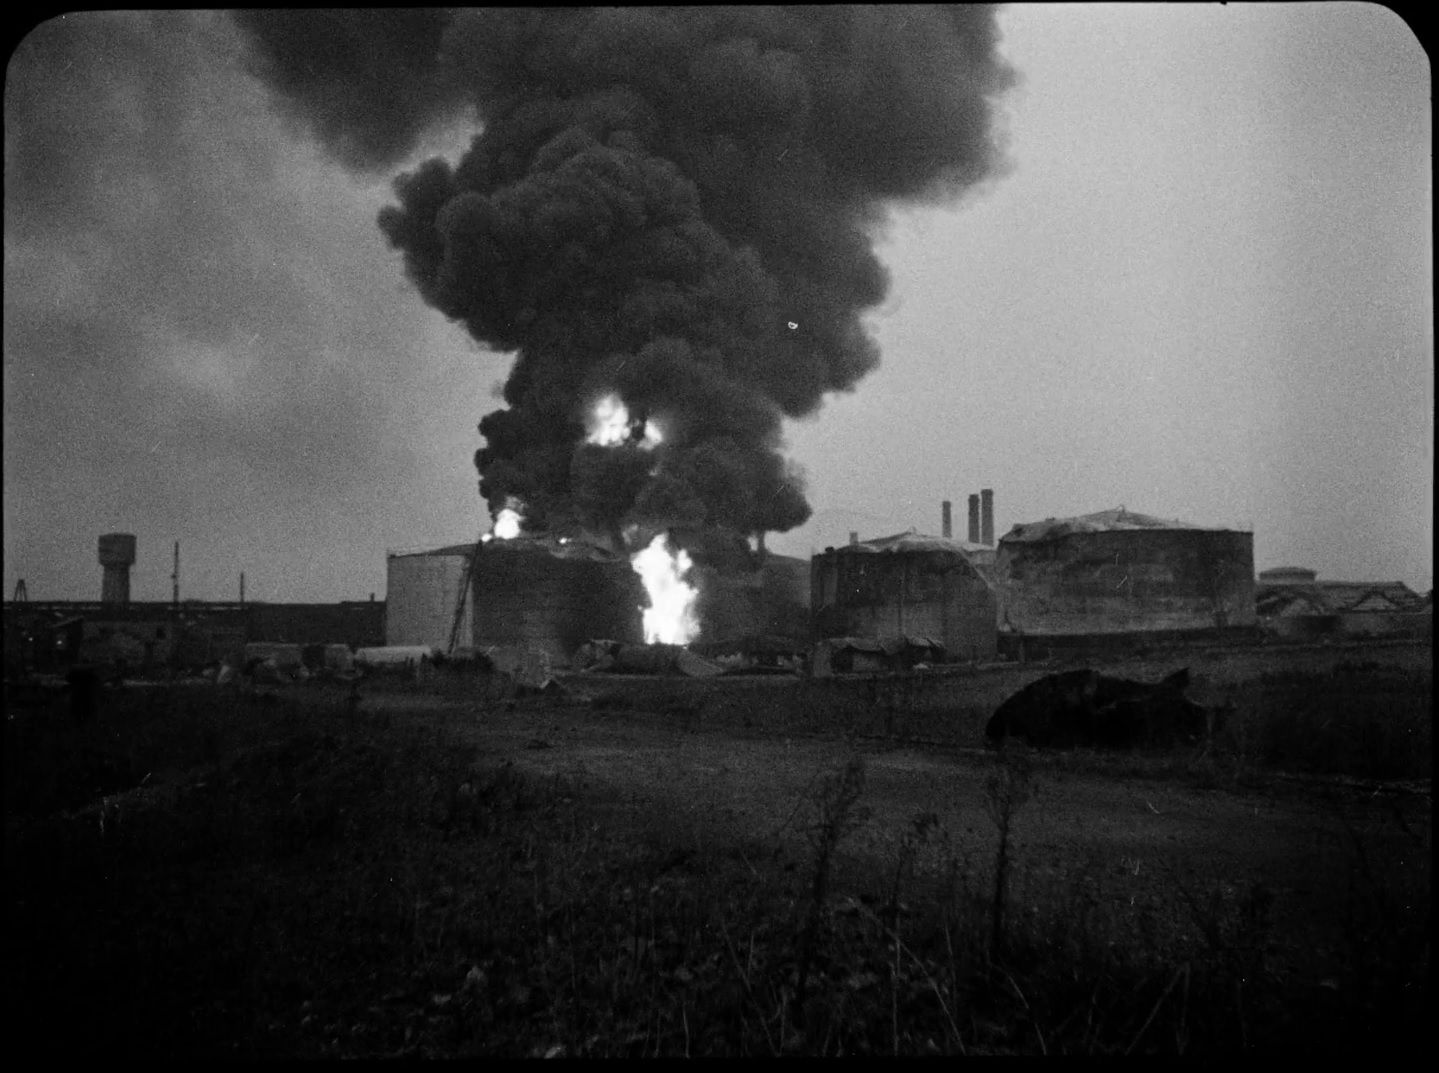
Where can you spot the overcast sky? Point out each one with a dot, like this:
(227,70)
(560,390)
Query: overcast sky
(1203,289)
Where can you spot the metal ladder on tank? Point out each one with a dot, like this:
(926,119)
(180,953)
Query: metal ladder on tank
(464,594)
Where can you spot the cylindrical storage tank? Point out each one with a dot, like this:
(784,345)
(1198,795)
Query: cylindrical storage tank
(422,591)
(527,597)
(1288,575)
(1106,574)
(117,555)
(928,591)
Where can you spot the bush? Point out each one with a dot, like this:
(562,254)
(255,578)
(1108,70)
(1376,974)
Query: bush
(303,881)
(1365,721)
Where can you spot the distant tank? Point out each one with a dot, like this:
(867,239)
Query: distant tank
(117,555)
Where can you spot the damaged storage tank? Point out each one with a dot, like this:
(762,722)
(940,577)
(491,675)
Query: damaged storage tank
(907,585)
(550,593)
(422,590)
(1117,572)
(766,599)
(554,595)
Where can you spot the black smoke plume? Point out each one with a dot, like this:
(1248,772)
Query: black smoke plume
(676,205)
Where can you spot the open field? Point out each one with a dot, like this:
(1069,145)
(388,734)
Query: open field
(636,867)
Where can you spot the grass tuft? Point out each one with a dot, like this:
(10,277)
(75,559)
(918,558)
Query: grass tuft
(197,874)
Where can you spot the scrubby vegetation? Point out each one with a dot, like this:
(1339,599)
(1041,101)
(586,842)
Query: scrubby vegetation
(1362,719)
(296,878)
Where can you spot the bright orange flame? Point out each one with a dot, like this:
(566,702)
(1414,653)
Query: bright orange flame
(670,618)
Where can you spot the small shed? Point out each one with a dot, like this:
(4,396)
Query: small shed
(848,655)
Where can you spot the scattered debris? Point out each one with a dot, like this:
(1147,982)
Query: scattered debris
(1084,707)
(620,658)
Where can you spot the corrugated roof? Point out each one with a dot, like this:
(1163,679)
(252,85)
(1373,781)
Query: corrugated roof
(1288,574)
(1334,597)
(1104,521)
(855,644)
(449,549)
(910,540)
(575,548)
(1283,603)
(1370,595)
(888,646)
(561,549)
(787,562)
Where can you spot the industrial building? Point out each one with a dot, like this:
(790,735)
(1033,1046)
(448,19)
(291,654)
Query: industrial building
(747,602)
(910,585)
(153,635)
(541,592)
(533,592)
(1293,604)
(422,592)
(146,636)
(1118,572)
(554,594)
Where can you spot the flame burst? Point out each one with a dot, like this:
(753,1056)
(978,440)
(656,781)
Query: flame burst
(670,618)
(611,426)
(506,527)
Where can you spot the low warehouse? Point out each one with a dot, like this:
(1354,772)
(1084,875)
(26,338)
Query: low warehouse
(1119,572)
(1295,605)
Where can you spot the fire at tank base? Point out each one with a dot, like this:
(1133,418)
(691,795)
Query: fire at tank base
(665,602)
(650,658)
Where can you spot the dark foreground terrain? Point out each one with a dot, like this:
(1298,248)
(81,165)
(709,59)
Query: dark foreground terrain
(454,871)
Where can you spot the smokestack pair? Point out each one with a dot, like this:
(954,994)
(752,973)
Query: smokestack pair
(981,518)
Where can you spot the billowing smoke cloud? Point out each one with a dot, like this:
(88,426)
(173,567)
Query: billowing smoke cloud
(674,205)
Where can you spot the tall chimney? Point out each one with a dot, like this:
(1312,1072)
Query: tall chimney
(853,537)
(986,516)
(974,519)
(117,555)
(946,520)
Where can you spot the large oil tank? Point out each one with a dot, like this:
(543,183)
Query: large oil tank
(1118,571)
(905,586)
(540,593)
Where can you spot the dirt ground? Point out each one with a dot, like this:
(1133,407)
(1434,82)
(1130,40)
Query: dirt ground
(322,848)
(1153,849)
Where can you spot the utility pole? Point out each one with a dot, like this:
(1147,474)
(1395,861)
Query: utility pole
(174,637)
(242,588)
